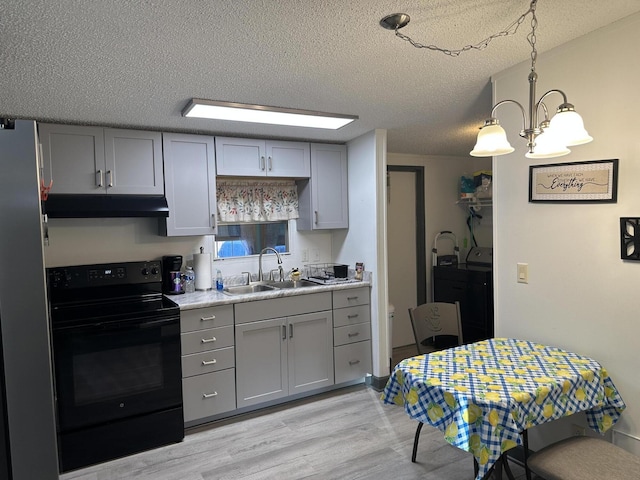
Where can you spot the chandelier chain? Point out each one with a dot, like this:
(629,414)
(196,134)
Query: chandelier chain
(532,36)
(509,31)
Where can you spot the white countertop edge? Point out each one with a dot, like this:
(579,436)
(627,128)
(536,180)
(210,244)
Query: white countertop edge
(212,298)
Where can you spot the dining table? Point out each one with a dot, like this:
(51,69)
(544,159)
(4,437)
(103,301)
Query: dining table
(485,395)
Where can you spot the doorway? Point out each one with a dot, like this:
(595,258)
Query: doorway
(406,247)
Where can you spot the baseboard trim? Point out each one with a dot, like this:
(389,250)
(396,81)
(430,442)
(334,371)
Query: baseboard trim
(377,383)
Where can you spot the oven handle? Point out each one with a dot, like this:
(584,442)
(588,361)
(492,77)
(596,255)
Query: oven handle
(137,323)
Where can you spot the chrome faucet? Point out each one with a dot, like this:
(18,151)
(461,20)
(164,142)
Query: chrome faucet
(260,276)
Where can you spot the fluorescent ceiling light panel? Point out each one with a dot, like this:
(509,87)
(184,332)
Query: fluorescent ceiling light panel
(241,112)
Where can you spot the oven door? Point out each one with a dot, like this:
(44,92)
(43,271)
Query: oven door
(111,370)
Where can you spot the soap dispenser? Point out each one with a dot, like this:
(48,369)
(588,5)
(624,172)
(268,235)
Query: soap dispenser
(219,282)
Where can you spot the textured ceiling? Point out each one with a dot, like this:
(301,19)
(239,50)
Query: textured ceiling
(137,63)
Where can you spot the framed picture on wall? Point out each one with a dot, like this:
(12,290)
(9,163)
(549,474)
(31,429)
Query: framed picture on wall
(590,181)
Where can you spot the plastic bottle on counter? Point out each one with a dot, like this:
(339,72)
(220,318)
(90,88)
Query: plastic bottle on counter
(189,280)
(219,282)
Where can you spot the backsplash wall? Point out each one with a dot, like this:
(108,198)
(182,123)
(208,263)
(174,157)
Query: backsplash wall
(103,240)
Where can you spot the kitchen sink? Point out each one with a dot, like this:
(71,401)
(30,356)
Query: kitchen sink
(292,284)
(244,289)
(267,286)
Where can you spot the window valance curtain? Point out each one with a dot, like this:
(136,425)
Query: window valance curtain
(242,200)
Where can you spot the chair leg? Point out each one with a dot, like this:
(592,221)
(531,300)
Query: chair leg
(525,445)
(415,442)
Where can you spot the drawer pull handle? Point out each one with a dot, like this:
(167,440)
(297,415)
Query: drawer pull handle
(356,315)
(353,334)
(206,319)
(210,395)
(209,340)
(354,362)
(209,362)
(352,298)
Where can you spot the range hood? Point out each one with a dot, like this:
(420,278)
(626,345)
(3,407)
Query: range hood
(104,206)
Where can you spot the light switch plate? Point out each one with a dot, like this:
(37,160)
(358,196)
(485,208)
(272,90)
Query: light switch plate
(523,273)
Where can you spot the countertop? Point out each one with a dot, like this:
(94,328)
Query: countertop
(211,298)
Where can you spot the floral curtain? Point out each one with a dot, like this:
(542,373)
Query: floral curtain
(242,200)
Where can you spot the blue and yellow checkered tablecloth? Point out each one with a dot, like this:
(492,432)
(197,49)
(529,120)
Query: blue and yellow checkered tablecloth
(483,395)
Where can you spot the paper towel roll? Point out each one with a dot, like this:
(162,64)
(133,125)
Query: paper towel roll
(202,267)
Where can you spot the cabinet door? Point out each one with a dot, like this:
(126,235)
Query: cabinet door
(323,200)
(133,162)
(310,351)
(288,159)
(261,361)
(240,157)
(73,158)
(190,184)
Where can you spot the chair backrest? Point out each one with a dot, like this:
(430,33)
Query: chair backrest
(435,319)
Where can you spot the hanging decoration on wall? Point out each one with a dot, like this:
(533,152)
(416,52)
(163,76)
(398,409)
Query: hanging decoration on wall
(630,238)
(590,181)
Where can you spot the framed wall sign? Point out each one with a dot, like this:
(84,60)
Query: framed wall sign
(591,181)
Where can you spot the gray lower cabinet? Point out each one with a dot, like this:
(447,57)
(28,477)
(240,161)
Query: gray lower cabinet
(208,362)
(351,334)
(286,355)
(190,185)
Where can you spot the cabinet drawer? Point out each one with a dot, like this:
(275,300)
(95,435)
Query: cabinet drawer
(351,333)
(351,315)
(207,362)
(209,394)
(209,339)
(352,361)
(350,297)
(210,317)
(282,307)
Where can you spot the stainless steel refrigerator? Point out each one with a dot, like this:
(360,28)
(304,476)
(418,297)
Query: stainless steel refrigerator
(27,420)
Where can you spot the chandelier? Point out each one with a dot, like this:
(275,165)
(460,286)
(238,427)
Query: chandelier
(546,139)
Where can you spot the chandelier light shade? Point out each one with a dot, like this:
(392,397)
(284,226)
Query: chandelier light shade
(570,123)
(492,140)
(242,112)
(547,139)
(548,144)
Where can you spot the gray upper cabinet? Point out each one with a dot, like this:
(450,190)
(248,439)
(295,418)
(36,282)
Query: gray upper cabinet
(323,199)
(190,185)
(96,160)
(245,157)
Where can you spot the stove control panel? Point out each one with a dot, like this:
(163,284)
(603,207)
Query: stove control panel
(105,274)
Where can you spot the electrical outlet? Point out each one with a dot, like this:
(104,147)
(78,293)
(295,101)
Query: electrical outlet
(316,254)
(305,254)
(577,430)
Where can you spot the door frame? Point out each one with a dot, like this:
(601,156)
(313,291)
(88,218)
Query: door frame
(421,242)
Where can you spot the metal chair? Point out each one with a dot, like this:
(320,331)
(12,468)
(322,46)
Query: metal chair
(430,321)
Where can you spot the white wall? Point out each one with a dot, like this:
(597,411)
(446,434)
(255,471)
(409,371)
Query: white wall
(581,296)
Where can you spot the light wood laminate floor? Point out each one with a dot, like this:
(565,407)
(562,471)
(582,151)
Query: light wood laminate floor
(346,434)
